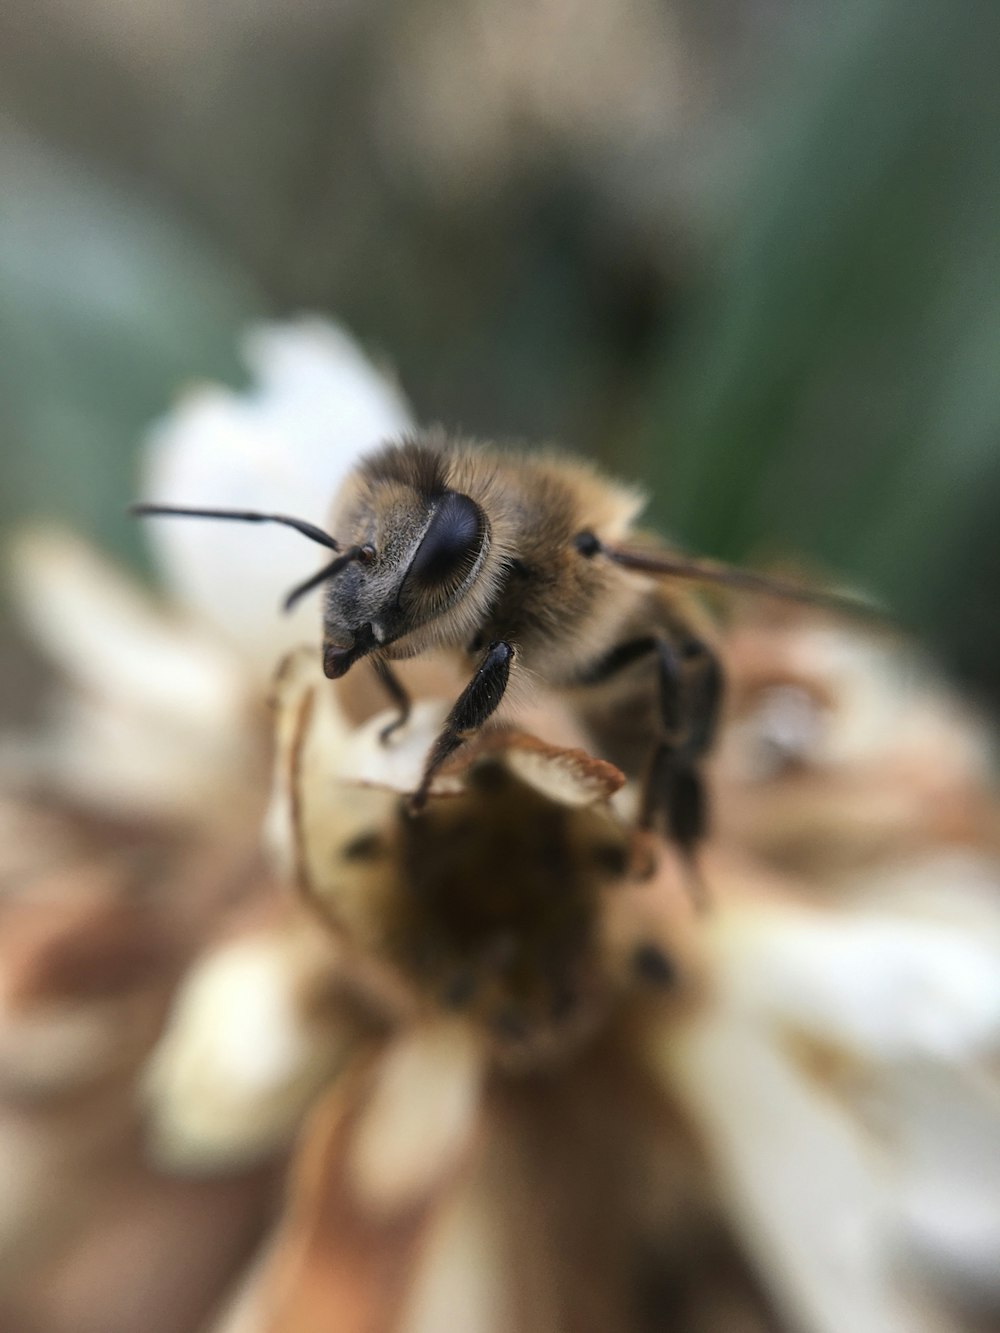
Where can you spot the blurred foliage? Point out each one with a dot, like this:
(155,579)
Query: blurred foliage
(837,392)
(748,252)
(107,309)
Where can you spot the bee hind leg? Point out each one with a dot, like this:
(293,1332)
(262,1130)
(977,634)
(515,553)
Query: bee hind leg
(690,694)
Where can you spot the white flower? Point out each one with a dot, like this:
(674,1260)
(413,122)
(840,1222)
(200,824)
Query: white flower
(160,717)
(284,446)
(130,827)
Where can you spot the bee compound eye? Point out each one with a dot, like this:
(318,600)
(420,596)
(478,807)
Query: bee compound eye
(451,543)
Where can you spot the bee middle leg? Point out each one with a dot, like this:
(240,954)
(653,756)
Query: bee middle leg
(477,702)
(397,692)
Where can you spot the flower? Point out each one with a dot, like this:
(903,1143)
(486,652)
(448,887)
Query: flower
(769,1093)
(522,1085)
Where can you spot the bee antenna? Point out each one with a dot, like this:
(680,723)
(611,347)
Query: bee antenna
(363,554)
(240,515)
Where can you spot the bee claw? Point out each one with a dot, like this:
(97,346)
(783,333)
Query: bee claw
(416,802)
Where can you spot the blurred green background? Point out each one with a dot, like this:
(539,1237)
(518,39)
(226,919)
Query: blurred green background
(747,251)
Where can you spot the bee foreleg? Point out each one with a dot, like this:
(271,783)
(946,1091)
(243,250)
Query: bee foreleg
(396,691)
(477,702)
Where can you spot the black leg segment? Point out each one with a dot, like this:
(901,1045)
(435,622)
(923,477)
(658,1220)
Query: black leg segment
(689,696)
(690,689)
(396,691)
(474,706)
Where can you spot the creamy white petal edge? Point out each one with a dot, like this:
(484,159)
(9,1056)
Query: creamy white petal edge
(317,404)
(847,1185)
(240,1062)
(155,721)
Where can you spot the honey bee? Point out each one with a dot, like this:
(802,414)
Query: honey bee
(527,564)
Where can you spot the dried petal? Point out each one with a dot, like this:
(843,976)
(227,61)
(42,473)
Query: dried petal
(567,777)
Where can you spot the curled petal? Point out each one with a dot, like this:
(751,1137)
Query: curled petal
(567,777)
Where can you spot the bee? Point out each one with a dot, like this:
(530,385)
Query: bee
(527,564)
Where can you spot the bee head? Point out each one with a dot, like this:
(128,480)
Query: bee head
(411,550)
(426,553)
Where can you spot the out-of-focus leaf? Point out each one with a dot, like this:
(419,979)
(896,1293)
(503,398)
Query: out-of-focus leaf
(836,393)
(107,306)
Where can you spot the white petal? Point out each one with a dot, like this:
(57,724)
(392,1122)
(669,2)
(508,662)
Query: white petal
(804,1190)
(464,1279)
(884,985)
(956,887)
(887,700)
(421,1115)
(238,1064)
(158,720)
(566,777)
(398,765)
(137,763)
(285,445)
(945,1129)
(109,638)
